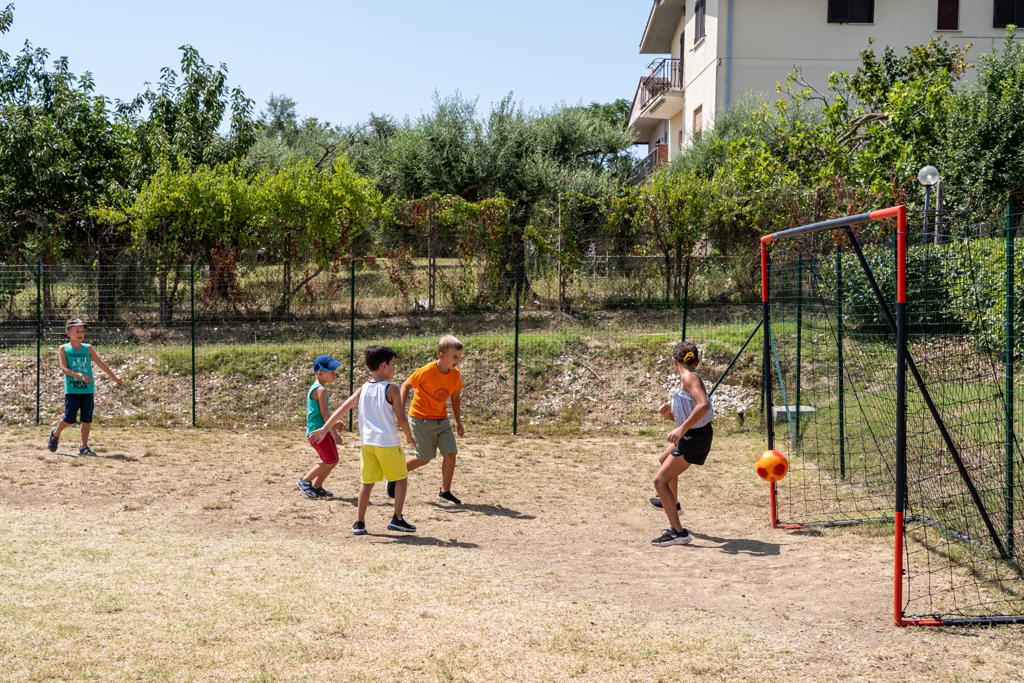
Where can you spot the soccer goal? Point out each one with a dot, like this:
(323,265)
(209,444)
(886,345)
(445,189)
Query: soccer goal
(888,370)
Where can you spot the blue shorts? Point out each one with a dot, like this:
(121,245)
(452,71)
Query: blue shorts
(73,403)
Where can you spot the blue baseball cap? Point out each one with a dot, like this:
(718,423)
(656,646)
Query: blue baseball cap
(325,362)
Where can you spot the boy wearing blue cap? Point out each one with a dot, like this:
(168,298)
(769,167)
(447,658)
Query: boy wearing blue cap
(325,368)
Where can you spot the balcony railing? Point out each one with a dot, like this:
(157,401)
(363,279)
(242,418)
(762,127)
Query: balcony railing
(666,74)
(643,169)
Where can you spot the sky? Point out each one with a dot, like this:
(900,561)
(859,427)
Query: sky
(343,60)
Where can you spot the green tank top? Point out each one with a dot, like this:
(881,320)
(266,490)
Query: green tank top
(79,360)
(314,420)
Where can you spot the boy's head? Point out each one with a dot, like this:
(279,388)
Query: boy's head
(75,329)
(380,360)
(325,368)
(685,353)
(449,351)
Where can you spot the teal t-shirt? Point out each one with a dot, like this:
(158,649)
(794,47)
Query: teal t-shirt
(314,420)
(80,361)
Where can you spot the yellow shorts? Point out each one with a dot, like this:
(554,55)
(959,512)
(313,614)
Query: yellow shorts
(382,462)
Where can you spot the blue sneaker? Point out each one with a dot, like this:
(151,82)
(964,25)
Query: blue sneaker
(85,450)
(358,529)
(399,524)
(51,443)
(306,488)
(321,492)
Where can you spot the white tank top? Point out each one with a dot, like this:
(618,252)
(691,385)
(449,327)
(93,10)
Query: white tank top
(376,416)
(683,405)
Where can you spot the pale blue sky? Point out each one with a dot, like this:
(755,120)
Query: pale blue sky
(341,60)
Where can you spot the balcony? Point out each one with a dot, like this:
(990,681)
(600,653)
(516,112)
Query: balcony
(659,96)
(643,169)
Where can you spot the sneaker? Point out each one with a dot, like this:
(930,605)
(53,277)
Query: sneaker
(51,443)
(447,495)
(321,492)
(85,450)
(306,488)
(391,489)
(358,529)
(399,524)
(673,537)
(656,502)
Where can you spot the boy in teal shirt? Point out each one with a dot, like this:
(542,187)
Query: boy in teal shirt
(75,359)
(325,368)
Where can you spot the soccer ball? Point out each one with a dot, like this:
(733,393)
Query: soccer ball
(772,466)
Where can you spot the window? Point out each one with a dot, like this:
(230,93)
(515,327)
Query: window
(697,115)
(851,11)
(699,25)
(1008,12)
(949,15)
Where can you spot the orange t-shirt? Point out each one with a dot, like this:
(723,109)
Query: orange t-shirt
(433,388)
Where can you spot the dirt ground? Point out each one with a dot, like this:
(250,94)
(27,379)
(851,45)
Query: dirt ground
(184,554)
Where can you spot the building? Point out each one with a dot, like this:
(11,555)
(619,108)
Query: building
(712,52)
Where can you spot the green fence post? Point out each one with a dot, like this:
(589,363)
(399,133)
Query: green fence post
(799,337)
(515,353)
(351,334)
(1008,397)
(686,298)
(39,335)
(192,317)
(839,364)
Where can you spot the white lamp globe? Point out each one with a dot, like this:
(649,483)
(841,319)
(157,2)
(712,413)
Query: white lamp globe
(928,176)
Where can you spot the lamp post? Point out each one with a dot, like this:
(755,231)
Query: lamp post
(928,177)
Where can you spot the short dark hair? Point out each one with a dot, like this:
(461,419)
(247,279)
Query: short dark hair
(377,356)
(686,352)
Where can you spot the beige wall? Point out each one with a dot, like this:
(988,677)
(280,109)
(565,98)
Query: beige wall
(770,37)
(701,70)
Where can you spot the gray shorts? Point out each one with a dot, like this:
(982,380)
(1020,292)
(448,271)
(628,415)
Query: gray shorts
(432,435)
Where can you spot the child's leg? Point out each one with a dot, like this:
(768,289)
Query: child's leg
(414,464)
(674,484)
(400,488)
(86,427)
(364,501)
(61,426)
(447,471)
(669,470)
(320,473)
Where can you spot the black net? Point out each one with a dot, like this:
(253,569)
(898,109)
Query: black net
(833,360)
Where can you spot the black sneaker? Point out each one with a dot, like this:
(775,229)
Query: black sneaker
(391,489)
(656,502)
(321,492)
(85,450)
(51,443)
(399,524)
(306,488)
(358,529)
(672,537)
(447,495)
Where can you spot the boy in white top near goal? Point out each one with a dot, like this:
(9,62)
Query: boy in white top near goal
(381,414)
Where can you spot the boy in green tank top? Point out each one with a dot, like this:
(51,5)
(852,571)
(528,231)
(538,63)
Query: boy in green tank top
(325,369)
(75,359)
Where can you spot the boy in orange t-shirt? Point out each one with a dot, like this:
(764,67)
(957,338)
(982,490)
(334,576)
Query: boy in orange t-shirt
(435,384)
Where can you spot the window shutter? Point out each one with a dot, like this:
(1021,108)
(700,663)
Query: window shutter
(838,11)
(949,15)
(862,11)
(1003,13)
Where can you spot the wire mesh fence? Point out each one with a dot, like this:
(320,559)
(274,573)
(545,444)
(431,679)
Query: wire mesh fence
(231,344)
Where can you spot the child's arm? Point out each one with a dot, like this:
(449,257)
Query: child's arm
(321,399)
(399,407)
(695,387)
(336,416)
(403,393)
(457,412)
(103,366)
(665,411)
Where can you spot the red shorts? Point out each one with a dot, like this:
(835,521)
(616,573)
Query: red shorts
(326,449)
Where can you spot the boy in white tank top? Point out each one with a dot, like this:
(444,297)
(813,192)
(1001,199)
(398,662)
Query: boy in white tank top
(381,414)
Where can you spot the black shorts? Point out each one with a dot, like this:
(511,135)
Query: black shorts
(695,445)
(73,403)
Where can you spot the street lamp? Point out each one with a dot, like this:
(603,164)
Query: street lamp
(928,177)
